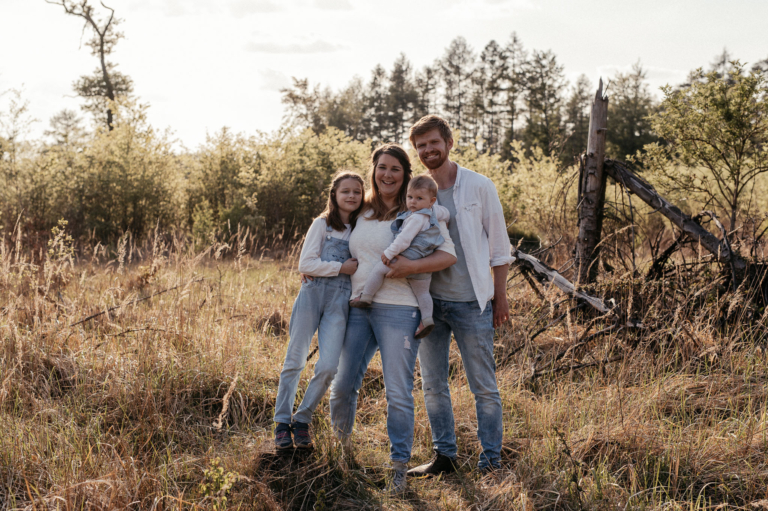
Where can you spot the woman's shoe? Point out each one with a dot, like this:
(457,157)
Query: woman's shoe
(425,327)
(398,484)
(283,438)
(301,436)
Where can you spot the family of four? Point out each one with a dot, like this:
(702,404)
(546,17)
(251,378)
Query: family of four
(398,271)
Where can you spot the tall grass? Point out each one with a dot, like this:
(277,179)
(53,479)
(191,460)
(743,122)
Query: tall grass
(165,400)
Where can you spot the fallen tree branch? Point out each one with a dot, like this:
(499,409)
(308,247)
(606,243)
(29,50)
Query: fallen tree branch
(577,366)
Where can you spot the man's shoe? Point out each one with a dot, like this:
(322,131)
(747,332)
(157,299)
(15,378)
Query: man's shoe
(283,438)
(301,437)
(488,470)
(439,464)
(398,483)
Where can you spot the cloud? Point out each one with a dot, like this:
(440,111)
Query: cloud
(273,80)
(333,5)
(313,47)
(246,7)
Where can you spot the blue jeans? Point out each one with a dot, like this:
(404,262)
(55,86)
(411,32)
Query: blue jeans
(322,306)
(388,328)
(474,336)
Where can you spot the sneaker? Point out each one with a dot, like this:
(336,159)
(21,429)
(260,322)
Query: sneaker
(439,464)
(301,437)
(425,327)
(283,438)
(398,484)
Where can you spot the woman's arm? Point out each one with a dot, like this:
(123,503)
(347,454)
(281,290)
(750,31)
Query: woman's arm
(436,261)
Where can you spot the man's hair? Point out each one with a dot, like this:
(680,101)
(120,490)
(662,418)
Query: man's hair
(429,123)
(424,182)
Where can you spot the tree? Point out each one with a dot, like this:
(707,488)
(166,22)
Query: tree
(457,68)
(543,99)
(631,104)
(426,82)
(577,119)
(402,98)
(491,78)
(377,114)
(302,105)
(106,84)
(717,132)
(514,86)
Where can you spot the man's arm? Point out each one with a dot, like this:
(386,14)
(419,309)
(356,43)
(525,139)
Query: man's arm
(500,303)
(436,261)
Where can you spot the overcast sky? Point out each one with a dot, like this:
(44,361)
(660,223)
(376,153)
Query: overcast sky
(204,64)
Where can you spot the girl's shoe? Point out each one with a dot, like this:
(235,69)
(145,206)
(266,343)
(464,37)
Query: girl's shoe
(361,302)
(283,438)
(301,436)
(425,327)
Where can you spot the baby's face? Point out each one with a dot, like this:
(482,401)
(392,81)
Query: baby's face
(417,199)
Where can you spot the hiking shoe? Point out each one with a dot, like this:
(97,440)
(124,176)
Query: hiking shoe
(301,437)
(283,438)
(439,464)
(398,483)
(488,469)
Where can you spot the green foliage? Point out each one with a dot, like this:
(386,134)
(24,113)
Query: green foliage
(217,484)
(716,131)
(629,106)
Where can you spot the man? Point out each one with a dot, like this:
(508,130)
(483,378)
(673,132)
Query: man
(461,295)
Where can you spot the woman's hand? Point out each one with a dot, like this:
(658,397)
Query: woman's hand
(306,278)
(399,267)
(349,267)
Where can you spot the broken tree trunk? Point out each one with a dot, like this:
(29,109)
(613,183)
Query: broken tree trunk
(720,249)
(592,191)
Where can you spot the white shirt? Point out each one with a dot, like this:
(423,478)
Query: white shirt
(309,261)
(482,229)
(366,243)
(411,227)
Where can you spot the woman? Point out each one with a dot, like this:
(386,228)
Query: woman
(389,324)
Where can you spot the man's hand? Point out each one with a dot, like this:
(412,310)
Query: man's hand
(500,306)
(400,267)
(385,260)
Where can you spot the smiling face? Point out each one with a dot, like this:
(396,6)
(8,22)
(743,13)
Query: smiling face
(432,148)
(349,195)
(419,198)
(388,176)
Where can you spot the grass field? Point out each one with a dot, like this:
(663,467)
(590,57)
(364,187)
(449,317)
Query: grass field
(165,402)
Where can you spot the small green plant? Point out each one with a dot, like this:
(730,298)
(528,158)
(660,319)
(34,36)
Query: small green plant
(217,483)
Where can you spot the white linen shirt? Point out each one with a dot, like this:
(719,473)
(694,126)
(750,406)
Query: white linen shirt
(482,229)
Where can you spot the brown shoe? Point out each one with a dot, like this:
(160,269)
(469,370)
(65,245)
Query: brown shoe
(439,464)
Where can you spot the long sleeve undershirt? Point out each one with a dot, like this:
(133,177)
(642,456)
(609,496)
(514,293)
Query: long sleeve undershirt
(309,261)
(412,226)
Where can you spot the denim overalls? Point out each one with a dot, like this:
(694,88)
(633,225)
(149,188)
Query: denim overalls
(424,243)
(322,306)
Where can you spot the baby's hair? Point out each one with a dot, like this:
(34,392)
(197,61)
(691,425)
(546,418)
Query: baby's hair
(424,182)
(331,213)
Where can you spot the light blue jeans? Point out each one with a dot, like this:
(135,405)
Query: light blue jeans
(388,328)
(322,305)
(474,336)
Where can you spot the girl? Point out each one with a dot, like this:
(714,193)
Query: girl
(322,306)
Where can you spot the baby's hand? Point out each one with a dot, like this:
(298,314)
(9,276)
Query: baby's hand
(349,267)
(384,260)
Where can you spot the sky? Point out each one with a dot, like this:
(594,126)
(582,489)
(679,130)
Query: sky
(204,64)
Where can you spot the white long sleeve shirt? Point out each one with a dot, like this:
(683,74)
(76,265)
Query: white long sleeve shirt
(411,227)
(482,229)
(309,261)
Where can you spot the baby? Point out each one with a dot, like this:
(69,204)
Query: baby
(417,234)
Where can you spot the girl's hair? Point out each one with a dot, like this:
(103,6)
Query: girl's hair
(374,202)
(331,213)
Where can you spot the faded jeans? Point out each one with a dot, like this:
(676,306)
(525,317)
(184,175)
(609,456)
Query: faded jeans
(474,336)
(389,329)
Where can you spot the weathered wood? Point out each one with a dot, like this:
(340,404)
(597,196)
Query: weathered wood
(545,272)
(720,249)
(592,191)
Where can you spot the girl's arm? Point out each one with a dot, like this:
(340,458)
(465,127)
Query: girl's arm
(309,261)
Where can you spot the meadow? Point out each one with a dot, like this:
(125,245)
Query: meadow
(143,376)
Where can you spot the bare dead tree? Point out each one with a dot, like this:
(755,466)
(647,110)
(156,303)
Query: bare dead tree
(106,82)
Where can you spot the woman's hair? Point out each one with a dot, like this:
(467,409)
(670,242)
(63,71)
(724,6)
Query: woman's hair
(373,200)
(331,213)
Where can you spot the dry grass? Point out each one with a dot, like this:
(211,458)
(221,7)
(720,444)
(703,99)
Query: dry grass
(166,401)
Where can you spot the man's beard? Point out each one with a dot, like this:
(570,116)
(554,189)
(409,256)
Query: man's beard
(432,165)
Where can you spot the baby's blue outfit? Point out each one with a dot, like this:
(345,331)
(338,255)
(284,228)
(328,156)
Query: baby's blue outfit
(322,306)
(424,243)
